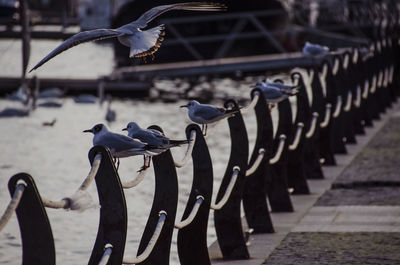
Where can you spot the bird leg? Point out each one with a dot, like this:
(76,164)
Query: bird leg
(271,106)
(204,129)
(146,163)
(116,161)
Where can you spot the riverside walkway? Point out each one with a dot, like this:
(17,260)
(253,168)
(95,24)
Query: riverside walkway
(351,217)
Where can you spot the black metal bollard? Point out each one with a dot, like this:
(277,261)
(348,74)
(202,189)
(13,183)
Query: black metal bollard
(355,71)
(374,107)
(365,108)
(192,239)
(278,194)
(113,215)
(381,97)
(254,193)
(349,83)
(304,161)
(338,121)
(36,234)
(228,223)
(165,199)
(326,130)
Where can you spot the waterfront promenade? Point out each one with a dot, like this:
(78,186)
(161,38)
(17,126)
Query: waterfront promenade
(351,217)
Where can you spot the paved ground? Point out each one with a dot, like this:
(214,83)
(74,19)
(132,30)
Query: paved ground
(338,248)
(351,217)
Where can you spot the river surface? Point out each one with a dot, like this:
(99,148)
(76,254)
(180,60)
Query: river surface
(56,156)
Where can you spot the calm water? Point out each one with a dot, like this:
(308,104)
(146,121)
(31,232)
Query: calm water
(57,156)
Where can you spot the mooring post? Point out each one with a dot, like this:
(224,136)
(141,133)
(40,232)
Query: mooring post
(338,119)
(254,193)
(365,72)
(348,81)
(278,194)
(355,69)
(113,214)
(373,68)
(380,90)
(228,224)
(165,199)
(192,239)
(37,237)
(304,160)
(326,120)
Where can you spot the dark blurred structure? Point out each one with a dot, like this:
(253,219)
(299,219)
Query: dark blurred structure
(41,12)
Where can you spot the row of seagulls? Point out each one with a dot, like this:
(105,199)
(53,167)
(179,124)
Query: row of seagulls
(121,145)
(150,142)
(142,42)
(146,142)
(152,137)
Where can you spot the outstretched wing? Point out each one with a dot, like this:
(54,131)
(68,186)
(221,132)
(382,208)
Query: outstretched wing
(151,14)
(85,36)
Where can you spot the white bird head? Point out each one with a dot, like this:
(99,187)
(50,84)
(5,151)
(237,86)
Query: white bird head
(98,129)
(191,104)
(132,127)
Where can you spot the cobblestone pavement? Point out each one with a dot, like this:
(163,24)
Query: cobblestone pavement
(378,163)
(361,196)
(337,248)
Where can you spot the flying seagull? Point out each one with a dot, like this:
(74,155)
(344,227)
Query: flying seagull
(141,42)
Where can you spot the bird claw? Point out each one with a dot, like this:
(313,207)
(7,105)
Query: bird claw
(143,168)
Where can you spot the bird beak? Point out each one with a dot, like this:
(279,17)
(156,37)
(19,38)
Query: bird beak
(183,106)
(87,131)
(125,129)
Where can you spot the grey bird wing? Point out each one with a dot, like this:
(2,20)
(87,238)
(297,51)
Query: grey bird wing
(272,92)
(285,89)
(81,37)
(290,90)
(118,142)
(151,14)
(152,137)
(209,112)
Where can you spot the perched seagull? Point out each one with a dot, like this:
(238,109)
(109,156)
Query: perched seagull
(141,42)
(289,90)
(276,92)
(110,114)
(120,145)
(311,49)
(152,137)
(205,114)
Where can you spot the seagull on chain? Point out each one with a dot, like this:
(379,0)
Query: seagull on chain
(141,42)
(312,49)
(204,114)
(152,137)
(120,145)
(276,92)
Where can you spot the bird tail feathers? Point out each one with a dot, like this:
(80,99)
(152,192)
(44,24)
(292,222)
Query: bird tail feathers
(291,92)
(203,6)
(178,142)
(149,43)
